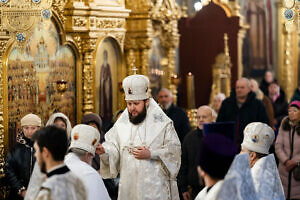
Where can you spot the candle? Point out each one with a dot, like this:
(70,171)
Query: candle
(190,85)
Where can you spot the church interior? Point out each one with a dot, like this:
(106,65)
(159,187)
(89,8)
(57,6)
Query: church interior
(71,56)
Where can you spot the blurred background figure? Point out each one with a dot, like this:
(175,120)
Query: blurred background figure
(279,102)
(177,115)
(296,95)
(268,78)
(287,149)
(242,107)
(265,99)
(217,102)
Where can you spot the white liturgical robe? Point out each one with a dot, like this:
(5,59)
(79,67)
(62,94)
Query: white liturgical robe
(211,194)
(90,177)
(153,179)
(266,179)
(62,184)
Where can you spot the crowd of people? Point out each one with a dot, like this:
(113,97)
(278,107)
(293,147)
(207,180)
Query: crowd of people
(151,152)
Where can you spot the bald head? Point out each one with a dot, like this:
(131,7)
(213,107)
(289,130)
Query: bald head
(205,114)
(242,88)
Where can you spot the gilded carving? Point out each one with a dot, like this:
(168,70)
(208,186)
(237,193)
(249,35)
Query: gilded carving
(3,45)
(87,22)
(288,46)
(110,23)
(87,83)
(149,20)
(19,17)
(79,21)
(120,37)
(58,6)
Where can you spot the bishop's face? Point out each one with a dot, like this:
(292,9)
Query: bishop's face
(137,110)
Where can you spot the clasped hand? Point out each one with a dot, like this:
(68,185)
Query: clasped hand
(142,153)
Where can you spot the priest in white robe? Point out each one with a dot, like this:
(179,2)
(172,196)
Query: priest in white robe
(258,137)
(142,146)
(84,140)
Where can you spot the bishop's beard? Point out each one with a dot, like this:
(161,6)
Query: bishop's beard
(139,118)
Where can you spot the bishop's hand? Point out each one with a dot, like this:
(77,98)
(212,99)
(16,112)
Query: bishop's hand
(142,153)
(100,149)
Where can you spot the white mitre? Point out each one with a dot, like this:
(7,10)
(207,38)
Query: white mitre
(136,87)
(258,137)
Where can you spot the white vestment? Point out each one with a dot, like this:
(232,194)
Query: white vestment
(62,186)
(90,177)
(238,183)
(266,179)
(36,180)
(212,194)
(153,179)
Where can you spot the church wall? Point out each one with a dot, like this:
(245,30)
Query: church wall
(202,39)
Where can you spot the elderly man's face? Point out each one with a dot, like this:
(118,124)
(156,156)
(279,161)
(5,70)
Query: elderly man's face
(164,99)
(204,115)
(242,89)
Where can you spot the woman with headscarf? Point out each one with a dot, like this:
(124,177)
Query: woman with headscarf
(62,121)
(287,148)
(37,178)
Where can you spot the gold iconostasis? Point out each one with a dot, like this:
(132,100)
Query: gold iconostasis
(71,56)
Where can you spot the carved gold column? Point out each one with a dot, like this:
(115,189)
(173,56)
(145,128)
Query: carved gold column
(148,20)
(139,36)
(88,81)
(288,46)
(3,105)
(165,15)
(89,23)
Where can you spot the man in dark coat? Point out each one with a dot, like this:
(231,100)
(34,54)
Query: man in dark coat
(188,175)
(178,115)
(243,108)
(20,160)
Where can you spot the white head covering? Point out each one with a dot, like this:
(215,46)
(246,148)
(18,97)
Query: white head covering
(56,115)
(85,137)
(238,183)
(258,137)
(136,87)
(31,120)
(266,179)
